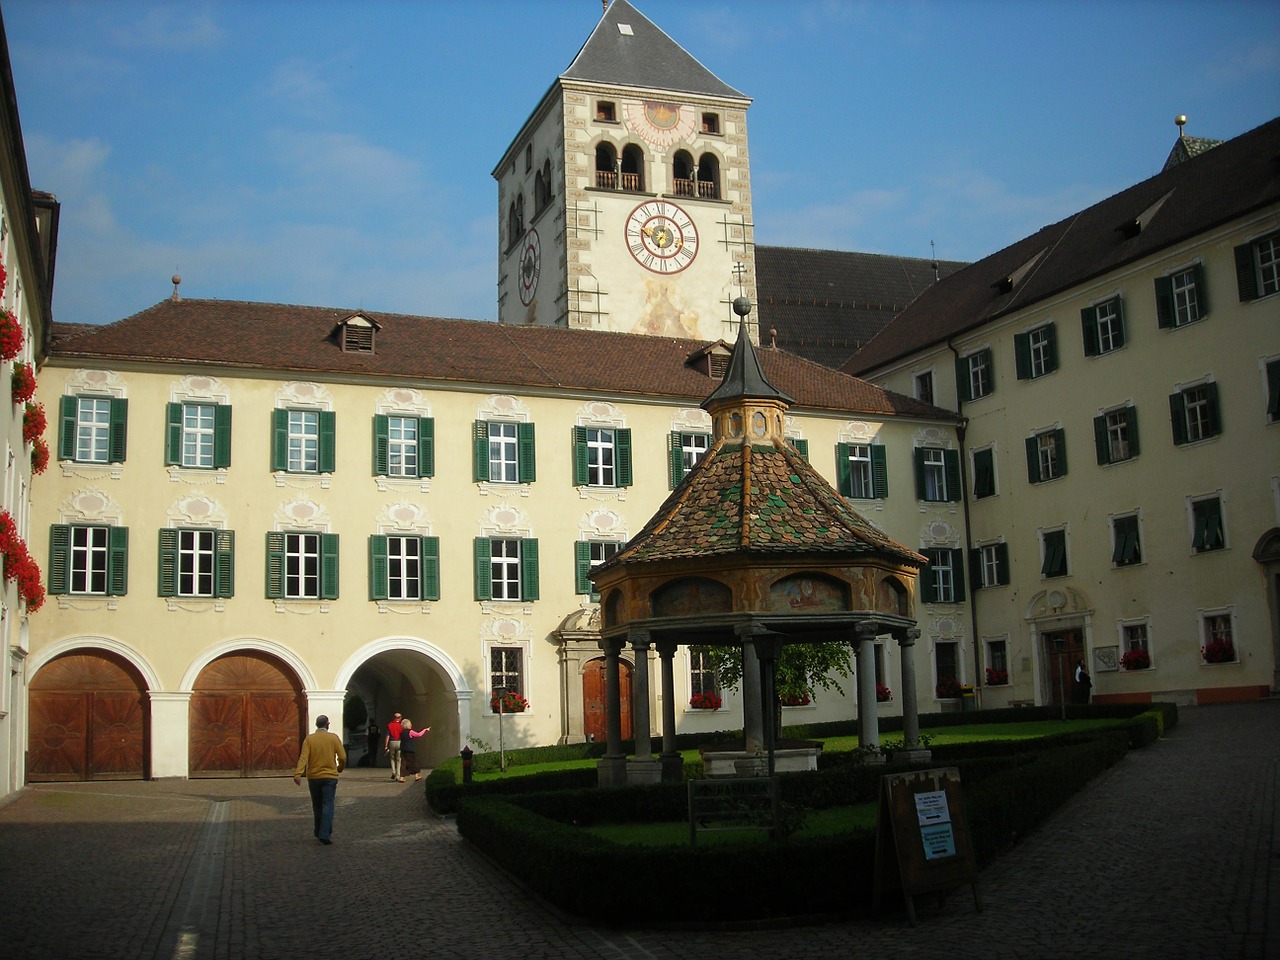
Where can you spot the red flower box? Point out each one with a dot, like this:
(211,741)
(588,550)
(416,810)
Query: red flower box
(883,693)
(997,678)
(508,702)
(1135,660)
(22,385)
(11,336)
(33,422)
(1219,651)
(707,700)
(39,455)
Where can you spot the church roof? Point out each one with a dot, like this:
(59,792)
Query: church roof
(627,49)
(283,340)
(1220,185)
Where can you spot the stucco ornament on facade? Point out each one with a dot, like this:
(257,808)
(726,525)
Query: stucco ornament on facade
(404,517)
(1060,601)
(197,512)
(302,514)
(194,387)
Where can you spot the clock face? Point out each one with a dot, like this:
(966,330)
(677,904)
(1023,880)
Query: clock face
(661,237)
(661,124)
(530,266)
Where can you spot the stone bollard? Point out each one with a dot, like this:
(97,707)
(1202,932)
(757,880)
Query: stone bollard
(466,764)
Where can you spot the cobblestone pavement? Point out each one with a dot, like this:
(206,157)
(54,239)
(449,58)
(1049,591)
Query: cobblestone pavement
(1173,853)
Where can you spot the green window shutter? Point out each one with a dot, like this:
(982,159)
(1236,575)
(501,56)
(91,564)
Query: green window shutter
(1089,328)
(879,471)
(118,430)
(280,441)
(1246,275)
(275,565)
(118,561)
(526,453)
(926,580)
(59,556)
(1033,460)
(222,435)
(1214,411)
(172,440)
(622,438)
(1213,538)
(484,568)
(1166,317)
(224,563)
(329,566)
(802,447)
(528,569)
(1101,441)
(430,568)
(1060,443)
(1051,347)
(919,461)
(1131,425)
(964,385)
(951,464)
(381,449)
(480,451)
(168,579)
(426,447)
(984,473)
(957,574)
(1002,562)
(844,476)
(1202,288)
(1022,355)
(975,570)
(1119,534)
(675,459)
(582,567)
(377,567)
(1178,417)
(579,457)
(67,407)
(328,441)
(1121,323)
(1273,390)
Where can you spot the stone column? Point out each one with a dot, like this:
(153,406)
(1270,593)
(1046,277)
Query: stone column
(911,749)
(865,672)
(671,761)
(752,707)
(612,767)
(643,768)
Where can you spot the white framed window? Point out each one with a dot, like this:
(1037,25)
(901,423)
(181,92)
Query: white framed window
(589,554)
(88,560)
(1110,331)
(924,386)
(997,662)
(504,452)
(1046,456)
(935,474)
(993,564)
(943,579)
(980,374)
(1217,633)
(1268,258)
(93,429)
(402,446)
(304,441)
(302,565)
(404,567)
(1126,540)
(1116,435)
(601,457)
(1186,297)
(197,562)
(1041,343)
(860,471)
(506,676)
(1208,523)
(704,681)
(693,447)
(197,435)
(1135,644)
(504,569)
(1194,413)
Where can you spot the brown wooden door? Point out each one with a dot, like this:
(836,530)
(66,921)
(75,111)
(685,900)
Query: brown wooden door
(594,724)
(246,718)
(87,719)
(1062,649)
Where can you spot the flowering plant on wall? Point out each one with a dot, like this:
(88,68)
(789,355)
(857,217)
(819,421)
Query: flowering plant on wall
(997,678)
(801,699)
(883,693)
(18,564)
(22,387)
(706,700)
(1135,660)
(508,702)
(33,422)
(39,455)
(10,335)
(1219,651)
(948,688)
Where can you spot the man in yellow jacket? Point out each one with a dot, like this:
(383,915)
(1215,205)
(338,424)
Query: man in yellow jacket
(322,759)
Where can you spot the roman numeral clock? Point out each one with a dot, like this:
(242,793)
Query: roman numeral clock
(661,237)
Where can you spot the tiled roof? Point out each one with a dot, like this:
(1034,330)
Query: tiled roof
(642,56)
(756,500)
(298,341)
(1229,181)
(1186,148)
(825,304)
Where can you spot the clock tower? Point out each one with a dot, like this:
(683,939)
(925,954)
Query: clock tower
(625,200)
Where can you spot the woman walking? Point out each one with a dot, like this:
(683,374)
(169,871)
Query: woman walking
(408,754)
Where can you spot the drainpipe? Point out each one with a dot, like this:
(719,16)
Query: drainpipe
(961,428)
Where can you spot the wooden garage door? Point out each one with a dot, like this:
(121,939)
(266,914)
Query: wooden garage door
(87,720)
(246,718)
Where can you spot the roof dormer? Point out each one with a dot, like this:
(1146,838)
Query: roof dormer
(357,334)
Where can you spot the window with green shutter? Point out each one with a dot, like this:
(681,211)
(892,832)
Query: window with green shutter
(943,580)
(1273,391)
(1054,543)
(403,446)
(302,566)
(1102,325)
(1115,435)
(1258,267)
(506,568)
(1036,352)
(1181,297)
(503,452)
(984,473)
(684,450)
(303,441)
(197,563)
(198,435)
(801,445)
(88,560)
(404,567)
(602,457)
(1208,530)
(1046,456)
(1126,548)
(586,555)
(1194,413)
(92,429)
(989,565)
(975,376)
(937,475)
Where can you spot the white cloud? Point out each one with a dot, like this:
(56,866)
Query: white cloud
(298,83)
(172,28)
(330,162)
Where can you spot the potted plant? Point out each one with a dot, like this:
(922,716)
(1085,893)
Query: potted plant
(883,693)
(1221,650)
(1136,659)
(10,335)
(705,700)
(800,698)
(33,422)
(997,678)
(948,688)
(39,455)
(22,384)
(507,701)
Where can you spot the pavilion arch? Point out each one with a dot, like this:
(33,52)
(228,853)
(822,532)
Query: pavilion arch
(893,596)
(807,591)
(688,595)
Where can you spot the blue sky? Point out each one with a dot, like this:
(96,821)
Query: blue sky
(339,154)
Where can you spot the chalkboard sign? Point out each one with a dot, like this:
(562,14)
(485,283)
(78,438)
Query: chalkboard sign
(922,837)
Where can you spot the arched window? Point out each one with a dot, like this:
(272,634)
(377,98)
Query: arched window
(539,193)
(682,174)
(606,167)
(708,176)
(546,182)
(513,225)
(632,167)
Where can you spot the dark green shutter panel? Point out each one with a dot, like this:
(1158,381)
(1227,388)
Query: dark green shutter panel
(1246,275)
(1101,440)
(1002,562)
(59,556)
(329,566)
(222,435)
(1022,355)
(328,441)
(279,442)
(430,568)
(1178,417)
(1033,460)
(1202,288)
(381,449)
(484,568)
(168,585)
(172,440)
(984,473)
(579,457)
(67,407)
(275,565)
(1165,314)
(951,464)
(1060,445)
(919,460)
(622,438)
(1212,408)
(1120,534)
(802,447)
(879,471)
(964,385)
(525,457)
(377,567)
(224,563)
(975,569)
(1131,424)
(480,450)
(528,569)
(675,460)
(1273,390)
(426,447)
(118,561)
(1089,328)
(118,432)
(844,476)
(1121,323)
(1051,347)
(957,574)
(582,567)
(927,579)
